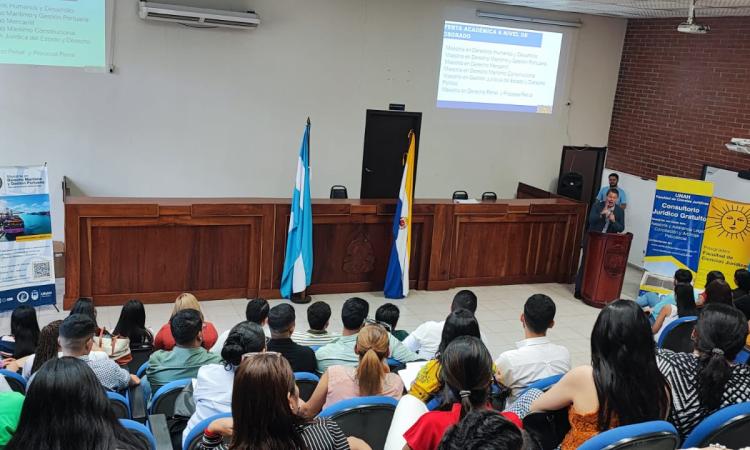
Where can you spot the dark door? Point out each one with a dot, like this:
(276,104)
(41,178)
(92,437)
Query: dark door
(386,144)
(589,163)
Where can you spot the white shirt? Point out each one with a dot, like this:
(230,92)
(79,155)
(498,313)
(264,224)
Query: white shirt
(223,338)
(26,371)
(212,394)
(425,340)
(533,359)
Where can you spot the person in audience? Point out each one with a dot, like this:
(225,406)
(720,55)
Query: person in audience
(622,386)
(535,357)
(371,377)
(483,430)
(24,333)
(467,377)
(213,388)
(256,311)
(132,325)
(188,355)
(389,314)
(11,404)
(426,338)
(85,306)
(265,402)
(318,317)
(718,291)
(164,339)
(707,380)
(76,338)
(741,295)
(281,321)
(657,301)
(66,409)
(460,322)
(47,349)
(685,298)
(340,351)
(614,181)
(710,278)
(115,347)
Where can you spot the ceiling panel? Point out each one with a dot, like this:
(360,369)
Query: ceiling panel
(638,8)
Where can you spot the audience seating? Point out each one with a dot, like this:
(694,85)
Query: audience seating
(676,335)
(136,427)
(548,427)
(137,403)
(743,356)
(142,370)
(544,384)
(119,404)
(367,418)
(306,382)
(196,434)
(395,365)
(140,356)
(655,435)
(164,398)
(15,381)
(728,426)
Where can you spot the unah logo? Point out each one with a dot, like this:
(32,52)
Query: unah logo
(22,297)
(34,295)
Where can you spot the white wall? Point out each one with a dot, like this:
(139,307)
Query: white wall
(220,113)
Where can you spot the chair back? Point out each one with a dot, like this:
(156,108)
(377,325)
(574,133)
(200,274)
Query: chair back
(548,428)
(728,426)
(395,365)
(655,435)
(193,439)
(677,335)
(367,418)
(743,356)
(139,428)
(140,356)
(339,191)
(15,381)
(119,404)
(142,370)
(545,383)
(489,196)
(460,195)
(306,382)
(164,399)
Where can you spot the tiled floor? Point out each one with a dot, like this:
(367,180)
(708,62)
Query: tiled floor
(498,313)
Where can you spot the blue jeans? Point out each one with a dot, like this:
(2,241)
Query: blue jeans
(648,299)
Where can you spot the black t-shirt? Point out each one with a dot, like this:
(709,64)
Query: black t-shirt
(300,357)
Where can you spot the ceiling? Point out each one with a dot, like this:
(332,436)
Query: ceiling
(638,8)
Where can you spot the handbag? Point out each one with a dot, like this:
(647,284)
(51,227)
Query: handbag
(116,347)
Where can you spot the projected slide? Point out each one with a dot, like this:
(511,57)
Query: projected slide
(496,68)
(53,32)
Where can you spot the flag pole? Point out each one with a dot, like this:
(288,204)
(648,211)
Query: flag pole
(302,297)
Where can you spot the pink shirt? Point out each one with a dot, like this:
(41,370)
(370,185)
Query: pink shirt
(342,385)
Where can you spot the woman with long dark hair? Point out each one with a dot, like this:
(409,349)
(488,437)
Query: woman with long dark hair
(24,333)
(47,349)
(460,322)
(466,375)
(710,278)
(85,305)
(708,379)
(718,291)
(66,407)
(685,298)
(132,325)
(265,402)
(622,386)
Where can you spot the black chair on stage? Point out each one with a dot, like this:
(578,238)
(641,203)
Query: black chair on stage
(460,195)
(489,196)
(339,191)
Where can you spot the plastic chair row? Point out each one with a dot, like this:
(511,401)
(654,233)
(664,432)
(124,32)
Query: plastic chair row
(156,434)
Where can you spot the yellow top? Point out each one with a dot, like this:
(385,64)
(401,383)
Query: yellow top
(427,383)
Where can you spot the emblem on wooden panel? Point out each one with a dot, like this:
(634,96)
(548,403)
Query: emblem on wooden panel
(615,260)
(360,256)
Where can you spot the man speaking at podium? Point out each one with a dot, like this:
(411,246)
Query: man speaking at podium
(605,217)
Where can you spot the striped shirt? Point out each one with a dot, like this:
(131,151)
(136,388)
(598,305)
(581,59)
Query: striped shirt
(681,371)
(314,337)
(320,434)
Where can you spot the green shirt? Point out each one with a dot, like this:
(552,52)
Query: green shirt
(10,411)
(340,352)
(401,334)
(177,364)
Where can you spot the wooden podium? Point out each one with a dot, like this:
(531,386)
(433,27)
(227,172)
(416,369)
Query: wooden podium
(605,264)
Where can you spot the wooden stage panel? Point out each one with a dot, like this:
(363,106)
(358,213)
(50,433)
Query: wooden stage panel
(153,249)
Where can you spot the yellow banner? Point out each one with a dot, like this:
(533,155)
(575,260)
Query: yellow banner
(726,242)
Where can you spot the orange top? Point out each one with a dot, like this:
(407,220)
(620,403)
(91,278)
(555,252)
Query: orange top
(582,428)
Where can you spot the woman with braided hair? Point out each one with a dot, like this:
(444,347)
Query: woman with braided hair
(466,376)
(46,349)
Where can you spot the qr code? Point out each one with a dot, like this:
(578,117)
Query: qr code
(41,270)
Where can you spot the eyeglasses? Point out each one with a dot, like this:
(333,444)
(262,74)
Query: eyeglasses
(254,354)
(378,323)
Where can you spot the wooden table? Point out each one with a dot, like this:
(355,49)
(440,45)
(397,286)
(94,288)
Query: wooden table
(153,249)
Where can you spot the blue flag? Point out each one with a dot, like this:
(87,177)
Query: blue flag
(298,262)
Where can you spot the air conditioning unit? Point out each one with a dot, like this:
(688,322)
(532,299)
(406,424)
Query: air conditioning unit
(198,17)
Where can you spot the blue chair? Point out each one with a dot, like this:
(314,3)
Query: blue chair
(15,381)
(196,433)
(368,418)
(135,427)
(306,382)
(728,426)
(655,435)
(164,399)
(142,370)
(677,335)
(315,347)
(743,356)
(395,365)
(120,405)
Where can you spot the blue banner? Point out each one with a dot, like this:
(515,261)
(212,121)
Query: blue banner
(26,259)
